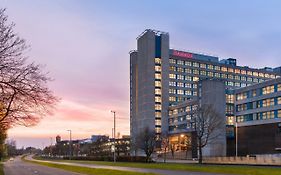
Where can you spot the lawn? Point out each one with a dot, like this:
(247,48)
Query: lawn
(1,168)
(89,171)
(227,169)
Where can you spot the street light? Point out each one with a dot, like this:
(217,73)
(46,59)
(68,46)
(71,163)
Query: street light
(70,143)
(114,131)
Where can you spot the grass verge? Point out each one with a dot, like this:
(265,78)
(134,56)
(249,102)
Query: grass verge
(1,168)
(88,171)
(226,169)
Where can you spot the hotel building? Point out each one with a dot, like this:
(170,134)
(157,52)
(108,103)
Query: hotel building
(163,79)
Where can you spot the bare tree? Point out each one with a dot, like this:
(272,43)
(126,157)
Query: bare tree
(165,144)
(208,124)
(24,95)
(147,142)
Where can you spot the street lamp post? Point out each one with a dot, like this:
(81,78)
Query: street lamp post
(70,143)
(114,132)
(236,139)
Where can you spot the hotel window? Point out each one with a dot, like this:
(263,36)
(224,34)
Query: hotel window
(237,77)
(243,72)
(202,72)
(158,122)
(194,93)
(243,84)
(180,69)
(188,71)
(187,85)
(279,100)
(172,83)
(217,68)
(210,66)
(261,74)
(230,76)
(272,76)
(157,61)
(188,92)
(157,107)
(241,96)
(158,68)
(172,76)
(223,76)
(203,65)
(157,83)
(255,80)
(268,115)
(157,114)
(180,84)
(172,91)
(230,70)
(188,109)
(255,74)
(229,98)
(158,91)
(195,64)
(158,99)
(237,71)
(172,61)
(180,91)
(195,78)
(180,62)
(268,89)
(188,78)
(230,120)
(180,77)
(217,74)
(195,71)
(158,76)
(279,87)
(230,83)
(268,102)
(210,74)
(157,130)
(172,68)
(249,79)
(279,113)
(194,86)
(240,119)
(266,75)
(243,78)
(224,69)
(187,63)
(237,84)
(172,99)
(254,93)
(249,72)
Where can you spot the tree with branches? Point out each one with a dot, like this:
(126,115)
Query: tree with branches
(208,126)
(147,142)
(24,95)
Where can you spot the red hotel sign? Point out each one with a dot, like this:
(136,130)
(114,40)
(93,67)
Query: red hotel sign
(182,54)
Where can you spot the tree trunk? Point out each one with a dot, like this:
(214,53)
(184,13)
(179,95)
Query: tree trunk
(200,152)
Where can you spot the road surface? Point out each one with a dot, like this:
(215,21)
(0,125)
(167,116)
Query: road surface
(18,167)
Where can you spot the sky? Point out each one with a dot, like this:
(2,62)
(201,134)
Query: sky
(84,46)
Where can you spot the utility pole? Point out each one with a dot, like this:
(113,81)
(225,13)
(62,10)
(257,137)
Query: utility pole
(70,144)
(114,136)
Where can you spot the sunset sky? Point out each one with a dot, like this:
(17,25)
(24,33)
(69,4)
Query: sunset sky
(85,45)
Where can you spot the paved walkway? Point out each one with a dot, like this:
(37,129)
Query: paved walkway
(143,170)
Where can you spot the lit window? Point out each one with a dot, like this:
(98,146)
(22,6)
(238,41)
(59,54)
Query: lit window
(261,74)
(272,76)
(243,84)
(180,91)
(203,65)
(237,77)
(217,68)
(249,79)
(279,87)
(194,93)
(224,69)
(157,61)
(217,74)
(279,113)
(230,76)
(172,61)
(172,99)
(268,89)
(180,84)
(194,86)
(180,77)
(230,83)
(243,78)
(172,83)
(266,75)
(180,69)
(188,71)
(172,91)
(157,130)
(158,122)
(158,99)
(268,102)
(255,80)
(157,83)
(243,72)
(223,76)
(188,78)
(195,78)
(210,74)
(180,62)
(237,84)
(202,72)
(188,92)
(255,74)
(172,76)
(229,98)
(172,68)
(157,76)
(237,71)
(158,91)
(187,63)
(210,66)
(241,96)
(230,120)
(195,71)
(195,64)
(279,100)
(158,68)
(230,70)
(249,72)
(254,93)
(158,106)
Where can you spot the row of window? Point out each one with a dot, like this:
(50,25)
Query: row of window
(220,68)
(259,104)
(265,90)
(182,84)
(188,108)
(182,92)
(259,116)
(173,99)
(158,98)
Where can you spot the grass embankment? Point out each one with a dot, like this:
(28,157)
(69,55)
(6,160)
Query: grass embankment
(1,168)
(85,170)
(226,169)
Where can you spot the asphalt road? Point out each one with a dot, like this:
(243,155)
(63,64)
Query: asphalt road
(18,167)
